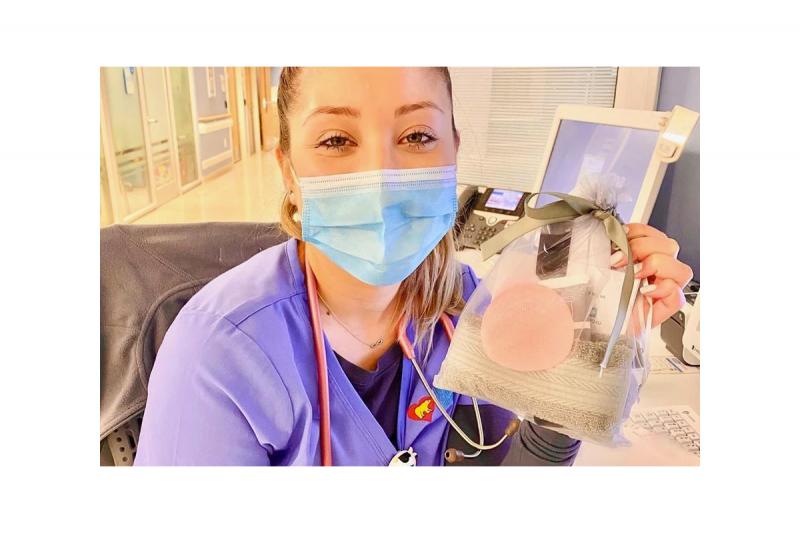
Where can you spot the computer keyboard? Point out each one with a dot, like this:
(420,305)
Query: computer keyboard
(678,423)
(670,365)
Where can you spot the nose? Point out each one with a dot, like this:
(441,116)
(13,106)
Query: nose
(382,154)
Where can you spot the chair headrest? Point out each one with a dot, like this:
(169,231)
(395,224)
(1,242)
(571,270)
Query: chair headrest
(147,274)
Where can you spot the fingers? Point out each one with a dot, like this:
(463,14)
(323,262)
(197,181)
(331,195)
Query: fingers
(636,230)
(662,288)
(656,258)
(642,247)
(665,267)
(667,299)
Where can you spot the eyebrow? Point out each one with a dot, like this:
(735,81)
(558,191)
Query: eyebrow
(354,113)
(403,110)
(333,110)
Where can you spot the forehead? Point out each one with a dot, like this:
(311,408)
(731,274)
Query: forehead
(369,88)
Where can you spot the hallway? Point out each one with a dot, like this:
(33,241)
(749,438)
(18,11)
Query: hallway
(250,192)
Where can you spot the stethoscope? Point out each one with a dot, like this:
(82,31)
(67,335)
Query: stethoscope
(402,457)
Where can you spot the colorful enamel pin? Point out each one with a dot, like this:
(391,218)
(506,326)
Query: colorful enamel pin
(422,410)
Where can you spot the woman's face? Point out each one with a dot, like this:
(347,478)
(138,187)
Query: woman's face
(358,119)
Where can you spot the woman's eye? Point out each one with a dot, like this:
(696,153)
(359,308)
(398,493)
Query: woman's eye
(418,139)
(335,142)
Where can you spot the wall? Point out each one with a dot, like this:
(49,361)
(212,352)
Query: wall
(240,94)
(124,111)
(212,144)
(275,77)
(254,110)
(677,208)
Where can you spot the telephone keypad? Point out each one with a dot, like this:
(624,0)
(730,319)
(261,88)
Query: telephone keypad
(477,230)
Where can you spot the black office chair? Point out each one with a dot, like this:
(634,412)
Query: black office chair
(147,274)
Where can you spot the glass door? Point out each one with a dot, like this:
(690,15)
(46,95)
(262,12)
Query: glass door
(158,134)
(106,211)
(184,125)
(123,111)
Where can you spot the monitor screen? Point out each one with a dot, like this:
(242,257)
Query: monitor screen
(614,154)
(504,199)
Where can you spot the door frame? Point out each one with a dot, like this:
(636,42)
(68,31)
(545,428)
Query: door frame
(117,200)
(255,111)
(171,191)
(196,128)
(263,84)
(233,109)
(107,147)
(248,110)
(195,183)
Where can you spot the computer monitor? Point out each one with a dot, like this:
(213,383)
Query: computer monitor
(627,147)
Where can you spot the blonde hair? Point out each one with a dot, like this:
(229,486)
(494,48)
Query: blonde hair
(435,287)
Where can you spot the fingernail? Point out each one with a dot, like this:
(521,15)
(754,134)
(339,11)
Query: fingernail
(648,289)
(616,257)
(637,267)
(625,227)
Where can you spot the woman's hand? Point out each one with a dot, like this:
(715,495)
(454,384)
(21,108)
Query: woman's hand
(658,256)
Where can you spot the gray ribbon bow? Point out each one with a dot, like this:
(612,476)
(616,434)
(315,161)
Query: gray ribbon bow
(569,208)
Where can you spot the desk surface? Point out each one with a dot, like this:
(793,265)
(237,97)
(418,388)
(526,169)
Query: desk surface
(659,390)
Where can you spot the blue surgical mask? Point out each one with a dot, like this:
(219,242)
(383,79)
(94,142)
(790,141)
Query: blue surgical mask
(379,225)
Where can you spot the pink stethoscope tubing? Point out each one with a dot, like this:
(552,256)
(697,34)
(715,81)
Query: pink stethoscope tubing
(322,370)
(322,364)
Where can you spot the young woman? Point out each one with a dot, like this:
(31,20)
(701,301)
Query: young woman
(368,160)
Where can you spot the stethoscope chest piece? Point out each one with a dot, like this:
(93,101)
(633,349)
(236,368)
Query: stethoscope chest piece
(404,458)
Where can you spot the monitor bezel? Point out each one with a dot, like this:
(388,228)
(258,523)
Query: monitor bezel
(627,118)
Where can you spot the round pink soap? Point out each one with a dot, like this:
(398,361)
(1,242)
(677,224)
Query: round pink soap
(527,327)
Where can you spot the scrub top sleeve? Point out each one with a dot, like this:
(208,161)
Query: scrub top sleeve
(214,398)
(472,280)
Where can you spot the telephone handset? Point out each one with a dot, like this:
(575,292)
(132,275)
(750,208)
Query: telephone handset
(485,211)
(466,202)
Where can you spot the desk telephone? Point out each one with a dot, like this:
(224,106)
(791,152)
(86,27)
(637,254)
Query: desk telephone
(484,211)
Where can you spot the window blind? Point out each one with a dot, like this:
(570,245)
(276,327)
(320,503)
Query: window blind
(504,116)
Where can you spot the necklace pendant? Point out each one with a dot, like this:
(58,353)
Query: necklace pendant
(377,343)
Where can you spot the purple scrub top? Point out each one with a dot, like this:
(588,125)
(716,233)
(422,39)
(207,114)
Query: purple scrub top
(234,382)
(379,389)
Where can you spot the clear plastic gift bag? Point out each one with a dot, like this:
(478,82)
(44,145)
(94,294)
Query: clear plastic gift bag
(548,334)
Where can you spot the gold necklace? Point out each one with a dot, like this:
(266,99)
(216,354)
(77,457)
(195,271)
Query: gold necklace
(371,345)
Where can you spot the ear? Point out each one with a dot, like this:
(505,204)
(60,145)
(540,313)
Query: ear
(286,174)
